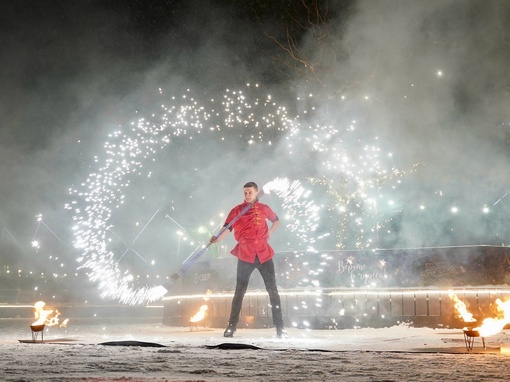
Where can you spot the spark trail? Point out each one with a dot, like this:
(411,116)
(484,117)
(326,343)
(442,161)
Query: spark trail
(129,153)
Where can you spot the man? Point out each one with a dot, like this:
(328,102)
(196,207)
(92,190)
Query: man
(252,250)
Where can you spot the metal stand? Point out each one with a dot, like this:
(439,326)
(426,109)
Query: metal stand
(469,338)
(36,329)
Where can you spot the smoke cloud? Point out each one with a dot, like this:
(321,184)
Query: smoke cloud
(428,79)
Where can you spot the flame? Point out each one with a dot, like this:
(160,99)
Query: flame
(461,308)
(48,317)
(200,315)
(504,348)
(490,325)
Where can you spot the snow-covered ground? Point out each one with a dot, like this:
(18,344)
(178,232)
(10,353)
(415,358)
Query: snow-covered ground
(81,352)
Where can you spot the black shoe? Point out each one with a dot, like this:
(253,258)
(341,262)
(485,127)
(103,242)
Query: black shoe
(281,333)
(229,331)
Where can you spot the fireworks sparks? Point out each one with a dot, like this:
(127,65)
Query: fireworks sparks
(302,212)
(128,154)
(347,174)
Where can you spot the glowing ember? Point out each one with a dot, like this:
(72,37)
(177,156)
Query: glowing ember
(45,316)
(461,308)
(200,315)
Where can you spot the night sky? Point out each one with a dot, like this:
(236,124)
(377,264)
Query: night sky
(429,79)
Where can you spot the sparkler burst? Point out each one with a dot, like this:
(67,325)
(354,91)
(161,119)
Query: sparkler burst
(128,154)
(258,125)
(301,211)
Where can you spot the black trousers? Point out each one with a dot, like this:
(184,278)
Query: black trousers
(244,271)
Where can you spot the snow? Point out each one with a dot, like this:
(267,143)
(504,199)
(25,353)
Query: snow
(400,353)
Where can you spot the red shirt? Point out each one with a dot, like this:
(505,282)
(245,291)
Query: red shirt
(251,232)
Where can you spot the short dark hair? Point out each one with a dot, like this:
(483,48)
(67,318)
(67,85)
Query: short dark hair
(251,184)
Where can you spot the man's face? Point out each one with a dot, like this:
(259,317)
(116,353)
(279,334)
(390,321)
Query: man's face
(250,194)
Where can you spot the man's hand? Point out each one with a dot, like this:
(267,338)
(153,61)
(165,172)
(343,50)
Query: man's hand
(213,240)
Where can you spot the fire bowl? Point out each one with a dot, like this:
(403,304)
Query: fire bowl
(472,333)
(469,338)
(37,328)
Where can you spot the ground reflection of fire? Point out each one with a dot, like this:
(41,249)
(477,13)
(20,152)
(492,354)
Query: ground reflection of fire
(490,325)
